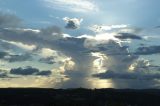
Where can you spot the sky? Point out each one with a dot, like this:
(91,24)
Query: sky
(80,43)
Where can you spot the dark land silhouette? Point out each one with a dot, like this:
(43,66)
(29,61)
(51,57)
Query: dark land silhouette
(78,97)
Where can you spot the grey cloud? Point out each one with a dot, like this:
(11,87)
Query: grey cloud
(24,71)
(148,50)
(3,54)
(74,48)
(142,71)
(44,73)
(15,58)
(128,36)
(48,60)
(3,74)
(5,45)
(29,71)
(127,75)
(157,27)
(72,23)
(18,58)
(51,30)
(118,57)
(9,20)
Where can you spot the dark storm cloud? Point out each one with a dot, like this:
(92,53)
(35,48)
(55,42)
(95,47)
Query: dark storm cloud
(8,20)
(24,71)
(29,71)
(148,50)
(128,36)
(48,60)
(127,75)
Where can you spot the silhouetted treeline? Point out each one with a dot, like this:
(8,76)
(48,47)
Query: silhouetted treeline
(78,97)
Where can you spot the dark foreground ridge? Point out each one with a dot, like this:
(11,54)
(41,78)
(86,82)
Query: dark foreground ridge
(78,97)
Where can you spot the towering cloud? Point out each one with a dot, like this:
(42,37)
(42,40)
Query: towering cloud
(102,55)
(29,71)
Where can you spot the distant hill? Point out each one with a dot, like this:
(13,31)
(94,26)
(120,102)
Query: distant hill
(78,97)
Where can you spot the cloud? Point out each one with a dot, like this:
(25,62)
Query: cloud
(3,54)
(157,27)
(3,74)
(72,23)
(48,60)
(139,70)
(84,55)
(9,20)
(81,6)
(52,30)
(103,28)
(18,58)
(14,58)
(11,46)
(148,50)
(29,71)
(124,36)
(25,71)
(44,73)
(47,53)
(127,75)
(22,46)
(78,65)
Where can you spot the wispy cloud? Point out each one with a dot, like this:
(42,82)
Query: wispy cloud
(102,28)
(72,5)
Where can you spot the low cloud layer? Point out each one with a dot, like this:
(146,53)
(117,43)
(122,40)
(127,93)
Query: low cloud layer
(15,57)
(29,71)
(128,36)
(148,50)
(18,58)
(126,76)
